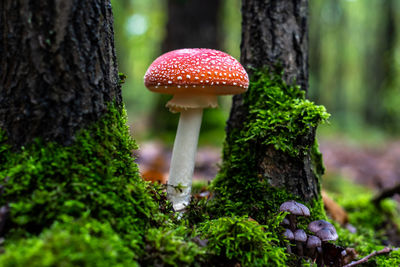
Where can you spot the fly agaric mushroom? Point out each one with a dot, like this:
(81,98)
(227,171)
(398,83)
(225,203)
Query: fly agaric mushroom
(195,77)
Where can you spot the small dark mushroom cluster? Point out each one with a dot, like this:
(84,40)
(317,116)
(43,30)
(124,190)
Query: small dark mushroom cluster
(4,210)
(306,245)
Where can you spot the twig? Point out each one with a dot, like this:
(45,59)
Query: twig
(389,192)
(366,258)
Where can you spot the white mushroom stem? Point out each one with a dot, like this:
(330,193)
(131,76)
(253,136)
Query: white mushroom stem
(183,158)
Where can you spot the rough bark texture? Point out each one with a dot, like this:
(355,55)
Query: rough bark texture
(274,34)
(57,67)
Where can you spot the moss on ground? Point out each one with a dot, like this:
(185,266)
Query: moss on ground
(372,222)
(242,240)
(83,242)
(96,175)
(86,204)
(279,115)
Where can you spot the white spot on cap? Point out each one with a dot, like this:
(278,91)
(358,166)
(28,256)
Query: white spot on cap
(188,76)
(169,82)
(179,77)
(224,82)
(196,78)
(217,82)
(179,86)
(158,84)
(234,83)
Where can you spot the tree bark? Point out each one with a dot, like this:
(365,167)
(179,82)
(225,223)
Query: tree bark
(58,67)
(274,35)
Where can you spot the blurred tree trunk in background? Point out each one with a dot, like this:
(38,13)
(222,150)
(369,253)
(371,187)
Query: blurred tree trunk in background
(380,72)
(191,24)
(353,62)
(274,34)
(58,68)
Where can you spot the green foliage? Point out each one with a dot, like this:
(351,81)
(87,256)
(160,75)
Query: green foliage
(84,242)
(122,78)
(371,221)
(278,115)
(96,175)
(240,239)
(169,246)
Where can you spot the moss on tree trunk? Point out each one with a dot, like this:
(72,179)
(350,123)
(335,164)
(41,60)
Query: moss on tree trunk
(270,153)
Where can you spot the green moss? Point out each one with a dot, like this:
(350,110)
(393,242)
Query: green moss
(244,241)
(279,115)
(371,221)
(84,242)
(317,160)
(169,246)
(96,175)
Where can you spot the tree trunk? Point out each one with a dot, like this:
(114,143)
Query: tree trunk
(57,68)
(380,73)
(274,35)
(60,100)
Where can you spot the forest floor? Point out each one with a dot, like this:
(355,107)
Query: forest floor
(375,167)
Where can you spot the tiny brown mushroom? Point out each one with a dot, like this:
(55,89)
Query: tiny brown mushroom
(285,222)
(290,236)
(315,226)
(327,234)
(300,237)
(4,211)
(294,209)
(313,243)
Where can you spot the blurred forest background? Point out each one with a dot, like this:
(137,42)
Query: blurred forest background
(354,64)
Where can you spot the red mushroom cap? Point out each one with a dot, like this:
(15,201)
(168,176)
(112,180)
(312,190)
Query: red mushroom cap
(196,71)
